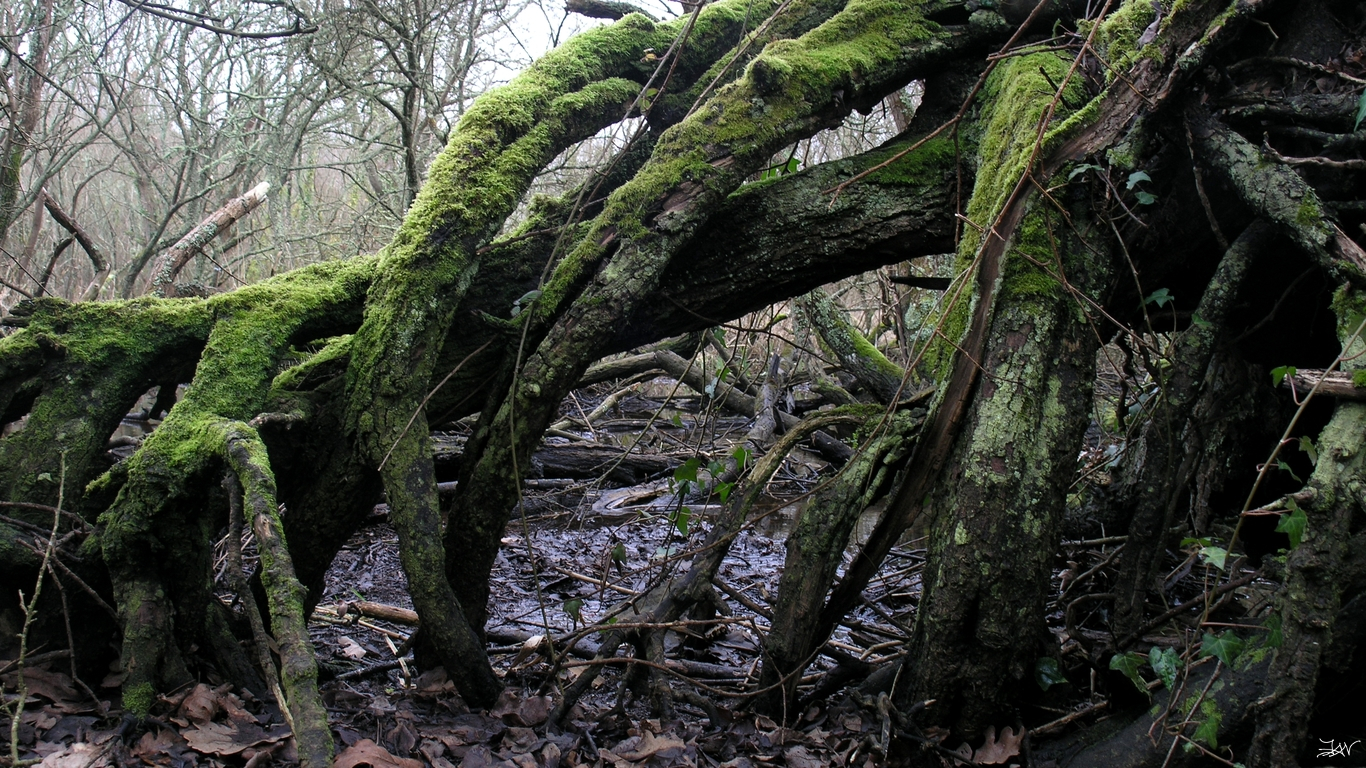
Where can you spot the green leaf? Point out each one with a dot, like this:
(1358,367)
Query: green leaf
(1204,541)
(723,490)
(1225,646)
(572,607)
(1215,556)
(687,472)
(1274,635)
(1160,297)
(792,165)
(1293,524)
(1145,198)
(1307,445)
(1281,465)
(677,420)
(742,456)
(715,468)
(1128,665)
(1208,732)
(1083,168)
(44,477)
(1165,662)
(1361,112)
(680,519)
(524,301)
(1047,674)
(619,553)
(1135,178)
(1201,323)
(1278,374)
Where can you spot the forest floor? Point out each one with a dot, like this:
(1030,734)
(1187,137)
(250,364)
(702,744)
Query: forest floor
(581,547)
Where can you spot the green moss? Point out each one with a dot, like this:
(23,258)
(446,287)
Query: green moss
(923,166)
(138,699)
(1309,213)
(1015,99)
(1117,38)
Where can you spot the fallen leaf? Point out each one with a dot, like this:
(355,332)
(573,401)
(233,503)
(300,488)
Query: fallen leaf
(997,751)
(650,745)
(202,705)
(77,756)
(214,739)
(162,747)
(367,752)
(534,710)
(350,648)
(801,757)
(223,739)
(53,686)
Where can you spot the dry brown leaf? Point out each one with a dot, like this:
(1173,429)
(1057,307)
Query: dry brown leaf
(77,756)
(214,739)
(202,705)
(997,751)
(159,747)
(650,745)
(367,752)
(534,710)
(350,648)
(53,686)
(801,757)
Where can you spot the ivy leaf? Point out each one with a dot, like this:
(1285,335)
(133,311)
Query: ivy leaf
(1307,445)
(742,456)
(1128,665)
(680,519)
(1215,556)
(1165,662)
(1201,323)
(1208,732)
(1361,112)
(1083,168)
(792,165)
(723,490)
(1293,524)
(1145,198)
(1226,647)
(619,554)
(1278,374)
(525,301)
(573,607)
(677,420)
(1047,674)
(1274,636)
(1204,541)
(1160,297)
(687,472)
(1281,465)
(1135,178)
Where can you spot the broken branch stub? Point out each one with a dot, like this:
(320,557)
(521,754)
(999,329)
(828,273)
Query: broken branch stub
(175,258)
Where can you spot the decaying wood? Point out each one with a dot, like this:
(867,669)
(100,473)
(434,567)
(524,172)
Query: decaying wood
(175,258)
(1339,384)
